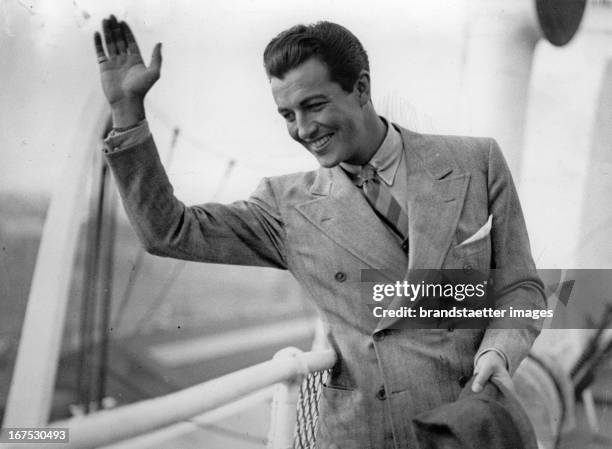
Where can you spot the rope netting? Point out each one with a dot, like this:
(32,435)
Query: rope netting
(308,410)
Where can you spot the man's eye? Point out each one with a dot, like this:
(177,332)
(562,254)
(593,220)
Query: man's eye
(316,106)
(289,116)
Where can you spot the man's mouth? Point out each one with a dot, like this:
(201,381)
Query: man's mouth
(320,144)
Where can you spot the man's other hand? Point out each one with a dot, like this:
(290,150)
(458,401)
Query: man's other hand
(490,365)
(125,78)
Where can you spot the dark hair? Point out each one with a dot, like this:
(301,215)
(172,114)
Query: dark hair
(331,43)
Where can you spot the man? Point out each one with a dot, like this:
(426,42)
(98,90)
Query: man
(449,203)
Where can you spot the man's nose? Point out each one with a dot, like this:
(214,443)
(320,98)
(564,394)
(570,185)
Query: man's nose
(307,129)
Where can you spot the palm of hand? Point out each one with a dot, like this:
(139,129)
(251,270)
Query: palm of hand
(123,73)
(125,76)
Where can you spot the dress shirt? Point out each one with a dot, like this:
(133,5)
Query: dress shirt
(390,164)
(119,140)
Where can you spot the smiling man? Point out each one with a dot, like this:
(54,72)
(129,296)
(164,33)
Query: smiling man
(384,198)
(333,124)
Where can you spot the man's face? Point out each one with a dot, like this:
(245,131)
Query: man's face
(319,114)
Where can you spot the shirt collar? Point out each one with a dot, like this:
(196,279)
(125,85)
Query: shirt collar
(387,158)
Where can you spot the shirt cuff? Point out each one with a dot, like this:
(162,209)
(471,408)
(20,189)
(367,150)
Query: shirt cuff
(501,354)
(120,139)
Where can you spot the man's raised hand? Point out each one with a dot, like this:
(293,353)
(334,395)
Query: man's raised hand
(125,78)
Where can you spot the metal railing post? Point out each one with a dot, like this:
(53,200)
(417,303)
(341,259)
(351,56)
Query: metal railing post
(284,403)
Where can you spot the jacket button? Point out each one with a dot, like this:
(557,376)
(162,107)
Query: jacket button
(463,380)
(467,268)
(381,394)
(340,276)
(379,336)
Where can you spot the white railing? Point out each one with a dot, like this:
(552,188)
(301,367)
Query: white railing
(166,436)
(111,426)
(285,403)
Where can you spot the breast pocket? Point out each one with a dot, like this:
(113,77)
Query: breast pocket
(472,255)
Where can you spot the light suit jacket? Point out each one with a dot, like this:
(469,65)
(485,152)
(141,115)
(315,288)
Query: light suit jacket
(319,226)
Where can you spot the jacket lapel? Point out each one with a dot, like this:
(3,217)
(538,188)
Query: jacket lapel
(341,212)
(436,192)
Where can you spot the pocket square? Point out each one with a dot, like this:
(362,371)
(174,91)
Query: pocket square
(481,233)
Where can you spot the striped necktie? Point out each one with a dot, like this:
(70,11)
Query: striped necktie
(384,203)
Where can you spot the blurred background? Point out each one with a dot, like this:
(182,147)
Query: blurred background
(437,66)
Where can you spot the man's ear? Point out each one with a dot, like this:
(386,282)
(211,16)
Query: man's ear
(362,86)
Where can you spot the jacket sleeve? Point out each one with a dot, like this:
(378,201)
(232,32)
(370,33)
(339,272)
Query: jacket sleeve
(243,233)
(516,283)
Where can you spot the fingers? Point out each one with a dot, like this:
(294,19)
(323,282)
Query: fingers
(484,368)
(156,60)
(503,377)
(490,364)
(115,36)
(99,48)
(498,376)
(480,378)
(132,46)
(108,37)
(119,39)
